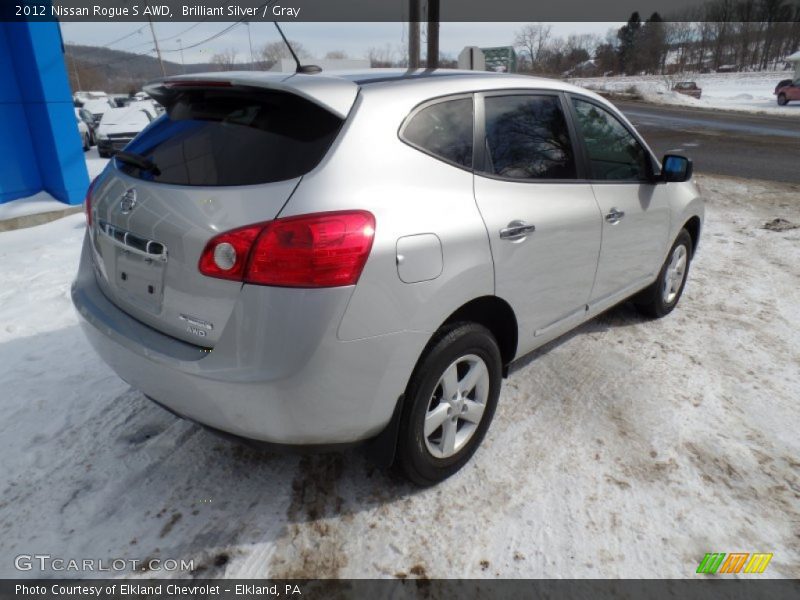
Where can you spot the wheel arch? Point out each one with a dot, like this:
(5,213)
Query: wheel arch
(693,226)
(497,316)
(492,312)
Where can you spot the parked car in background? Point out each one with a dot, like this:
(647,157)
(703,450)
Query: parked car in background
(786,91)
(98,107)
(120,125)
(81,98)
(85,116)
(120,100)
(688,88)
(83,129)
(153,107)
(329,259)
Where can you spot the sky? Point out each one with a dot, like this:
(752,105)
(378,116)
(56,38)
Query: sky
(355,39)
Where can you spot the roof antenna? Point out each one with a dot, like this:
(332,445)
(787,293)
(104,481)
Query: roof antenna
(307,69)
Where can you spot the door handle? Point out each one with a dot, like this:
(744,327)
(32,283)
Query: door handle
(615,216)
(516,230)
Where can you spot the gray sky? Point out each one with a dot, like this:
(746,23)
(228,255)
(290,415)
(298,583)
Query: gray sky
(318,38)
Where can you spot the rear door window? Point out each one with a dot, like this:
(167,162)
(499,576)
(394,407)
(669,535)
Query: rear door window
(527,138)
(444,130)
(614,153)
(234,137)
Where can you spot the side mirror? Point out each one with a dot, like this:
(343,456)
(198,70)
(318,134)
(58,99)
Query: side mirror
(676,168)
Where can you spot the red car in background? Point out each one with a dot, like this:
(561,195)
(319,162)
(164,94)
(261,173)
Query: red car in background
(786,91)
(688,88)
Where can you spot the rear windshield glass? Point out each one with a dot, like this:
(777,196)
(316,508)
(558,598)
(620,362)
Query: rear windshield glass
(232,137)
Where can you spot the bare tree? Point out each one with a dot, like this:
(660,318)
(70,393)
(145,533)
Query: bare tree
(336,54)
(381,57)
(271,53)
(225,60)
(678,38)
(587,42)
(90,77)
(532,41)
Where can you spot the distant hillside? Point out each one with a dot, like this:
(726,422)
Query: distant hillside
(120,72)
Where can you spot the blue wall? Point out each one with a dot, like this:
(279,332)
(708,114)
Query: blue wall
(40,147)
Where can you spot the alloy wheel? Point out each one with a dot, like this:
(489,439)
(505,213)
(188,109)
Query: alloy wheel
(456,406)
(676,272)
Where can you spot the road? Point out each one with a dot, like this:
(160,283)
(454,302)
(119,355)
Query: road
(722,143)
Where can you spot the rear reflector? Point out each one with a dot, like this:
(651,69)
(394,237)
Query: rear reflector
(87,203)
(317,250)
(236,244)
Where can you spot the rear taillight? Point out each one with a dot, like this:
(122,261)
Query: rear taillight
(317,250)
(87,203)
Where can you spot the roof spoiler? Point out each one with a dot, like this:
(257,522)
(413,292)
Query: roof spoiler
(331,93)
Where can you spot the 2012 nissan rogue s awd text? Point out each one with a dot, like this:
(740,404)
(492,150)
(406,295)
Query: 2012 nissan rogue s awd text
(326,259)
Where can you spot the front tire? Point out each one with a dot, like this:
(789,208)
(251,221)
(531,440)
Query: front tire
(86,143)
(450,402)
(782,100)
(660,299)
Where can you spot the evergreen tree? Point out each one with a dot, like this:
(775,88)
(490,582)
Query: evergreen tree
(651,47)
(628,35)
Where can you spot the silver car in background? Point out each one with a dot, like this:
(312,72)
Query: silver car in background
(317,260)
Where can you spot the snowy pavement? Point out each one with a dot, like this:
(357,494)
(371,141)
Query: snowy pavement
(43,202)
(629,448)
(95,164)
(741,92)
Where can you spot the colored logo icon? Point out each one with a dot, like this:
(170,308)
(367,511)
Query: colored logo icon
(737,562)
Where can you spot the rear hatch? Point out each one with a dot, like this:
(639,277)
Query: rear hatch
(226,155)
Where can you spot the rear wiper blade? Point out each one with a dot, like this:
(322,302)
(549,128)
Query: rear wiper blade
(137,160)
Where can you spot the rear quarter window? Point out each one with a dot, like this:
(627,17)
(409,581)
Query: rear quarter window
(234,137)
(443,129)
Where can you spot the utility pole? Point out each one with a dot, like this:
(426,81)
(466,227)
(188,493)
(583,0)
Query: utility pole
(250,39)
(183,65)
(413,34)
(155,41)
(75,68)
(433,34)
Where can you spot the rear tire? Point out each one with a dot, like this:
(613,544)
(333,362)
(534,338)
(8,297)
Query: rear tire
(782,100)
(103,154)
(449,403)
(86,142)
(662,296)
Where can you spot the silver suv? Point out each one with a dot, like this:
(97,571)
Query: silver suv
(315,260)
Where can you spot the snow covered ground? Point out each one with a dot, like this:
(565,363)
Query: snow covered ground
(94,163)
(38,203)
(627,449)
(746,92)
(44,202)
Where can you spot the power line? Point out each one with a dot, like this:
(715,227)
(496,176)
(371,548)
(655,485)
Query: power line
(208,39)
(166,39)
(123,37)
(177,35)
(221,33)
(180,33)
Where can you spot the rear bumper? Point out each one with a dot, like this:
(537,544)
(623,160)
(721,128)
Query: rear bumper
(111,146)
(277,374)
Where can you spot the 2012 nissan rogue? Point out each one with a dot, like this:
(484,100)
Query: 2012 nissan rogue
(327,259)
